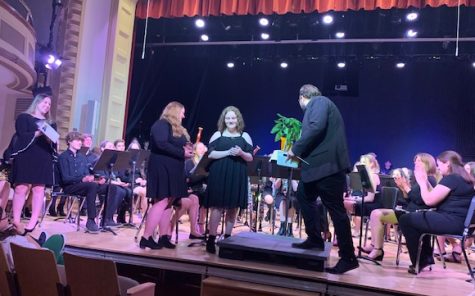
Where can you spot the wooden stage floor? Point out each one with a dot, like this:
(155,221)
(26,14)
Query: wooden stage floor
(368,279)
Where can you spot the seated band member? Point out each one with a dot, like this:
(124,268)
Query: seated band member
(140,190)
(76,179)
(371,200)
(451,197)
(411,193)
(120,189)
(191,205)
(197,183)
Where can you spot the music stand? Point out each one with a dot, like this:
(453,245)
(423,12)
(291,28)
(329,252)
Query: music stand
(365,185)
(290,173)
(257,169)
(108,161)
(201,171)
(137,156)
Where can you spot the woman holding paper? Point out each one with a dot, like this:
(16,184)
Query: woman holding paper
(33,154)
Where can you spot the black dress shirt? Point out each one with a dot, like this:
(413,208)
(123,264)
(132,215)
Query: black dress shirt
(73,167)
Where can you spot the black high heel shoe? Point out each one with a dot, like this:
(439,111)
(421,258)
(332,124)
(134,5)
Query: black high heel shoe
(149,243)
(366,251)
(379,257)
(164,241)
(26,230)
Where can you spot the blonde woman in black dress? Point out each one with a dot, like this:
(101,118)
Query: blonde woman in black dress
(33,156)
(169,146)
(231,149)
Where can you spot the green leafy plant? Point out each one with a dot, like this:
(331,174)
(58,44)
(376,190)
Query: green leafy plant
(288,128)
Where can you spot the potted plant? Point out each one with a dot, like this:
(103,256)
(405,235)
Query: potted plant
(287,130)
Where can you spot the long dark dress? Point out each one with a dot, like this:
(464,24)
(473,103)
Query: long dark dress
(166,176)
(33,157)
(227,179)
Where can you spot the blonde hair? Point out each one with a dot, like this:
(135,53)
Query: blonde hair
(370,161)
(38,99)
(240,121)
(429,163)
(171,113)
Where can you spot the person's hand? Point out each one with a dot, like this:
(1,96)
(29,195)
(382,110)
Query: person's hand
(188,151)
(420,174)
(238,151)
(38,133)
(88,178)
(101,181)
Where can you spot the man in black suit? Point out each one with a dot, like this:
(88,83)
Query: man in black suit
(323,148)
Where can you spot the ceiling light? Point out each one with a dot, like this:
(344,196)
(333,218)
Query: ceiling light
(199,23)
(412,16)
(400,65)
(265,36)
(204,37)
(327,19)
(263,21)
(340,35)
(230,65)
(284,65)
(341,65)
(473,64)
(411,33)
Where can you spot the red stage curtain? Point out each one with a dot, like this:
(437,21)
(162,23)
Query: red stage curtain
(180,8)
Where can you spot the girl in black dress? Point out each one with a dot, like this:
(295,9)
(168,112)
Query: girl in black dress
(451,196)
(169,146)
(231,149)
(33,156)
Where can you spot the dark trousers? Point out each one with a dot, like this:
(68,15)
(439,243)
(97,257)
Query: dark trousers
(115,195)
(413,225)
(127,200)
(330,189)
(89,190)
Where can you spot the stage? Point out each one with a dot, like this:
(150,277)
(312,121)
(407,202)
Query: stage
(193,264)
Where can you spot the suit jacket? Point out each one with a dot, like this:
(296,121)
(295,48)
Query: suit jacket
(323,141)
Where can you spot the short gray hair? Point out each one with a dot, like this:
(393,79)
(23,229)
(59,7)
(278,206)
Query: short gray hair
(309,90)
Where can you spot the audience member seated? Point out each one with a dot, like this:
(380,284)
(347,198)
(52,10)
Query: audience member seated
(451,197)
(411,192)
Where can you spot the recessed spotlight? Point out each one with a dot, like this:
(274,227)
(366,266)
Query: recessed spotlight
(284,65)
(412,16)
(204,37)
(411,33)
(199,23)
(341,65)
(473,64)
(265,36)
(340,35)
(263,22)
(400,65)
(230,65)
(327,19)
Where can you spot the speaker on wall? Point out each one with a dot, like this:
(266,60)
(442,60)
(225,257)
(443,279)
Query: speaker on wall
(341,81)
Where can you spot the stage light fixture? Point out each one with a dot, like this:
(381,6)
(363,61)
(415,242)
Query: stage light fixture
(265,36)
(204,37)
(284,65)
(263,22)
(199,23)
(400,65)
(340,35)
(341,65)
(473,64)
(412,16)
(52,62)
(230,65)
(411,33)
(327,19)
